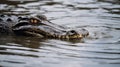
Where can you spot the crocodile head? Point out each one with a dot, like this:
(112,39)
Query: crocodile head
(39,26)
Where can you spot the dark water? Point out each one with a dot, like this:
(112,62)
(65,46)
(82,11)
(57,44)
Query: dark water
(101,49)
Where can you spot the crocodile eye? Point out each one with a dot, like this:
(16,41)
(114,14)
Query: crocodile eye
(34,21)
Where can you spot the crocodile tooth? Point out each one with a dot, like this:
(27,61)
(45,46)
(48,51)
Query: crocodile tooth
(59,36)
(67,37)
(74,36)
(80,35)
(63,36)
(77,36)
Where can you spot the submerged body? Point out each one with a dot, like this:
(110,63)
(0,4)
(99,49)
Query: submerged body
(39,26)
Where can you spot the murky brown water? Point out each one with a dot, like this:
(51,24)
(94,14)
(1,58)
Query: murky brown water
(101,49)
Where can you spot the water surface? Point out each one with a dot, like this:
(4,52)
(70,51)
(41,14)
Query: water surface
(101,49)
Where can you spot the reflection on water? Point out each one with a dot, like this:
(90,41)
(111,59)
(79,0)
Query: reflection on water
(101,49)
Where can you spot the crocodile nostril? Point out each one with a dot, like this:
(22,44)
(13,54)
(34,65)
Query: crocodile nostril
(73,31)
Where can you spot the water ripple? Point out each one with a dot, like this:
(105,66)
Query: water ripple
(99,49)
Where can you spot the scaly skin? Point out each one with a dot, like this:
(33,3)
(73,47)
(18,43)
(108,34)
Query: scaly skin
(39,26)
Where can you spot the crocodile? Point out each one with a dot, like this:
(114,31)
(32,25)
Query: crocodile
(38,26)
